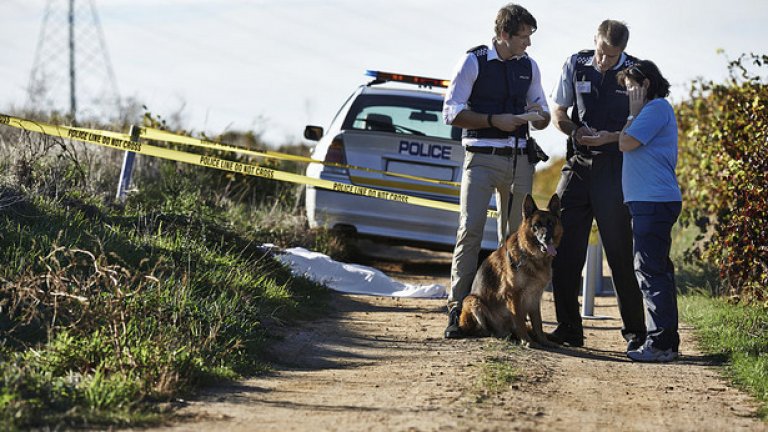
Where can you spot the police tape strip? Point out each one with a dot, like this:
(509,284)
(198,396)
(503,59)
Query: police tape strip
(116,141)
(161,135)
(165,136)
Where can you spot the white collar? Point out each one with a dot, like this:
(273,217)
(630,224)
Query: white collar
(494,55)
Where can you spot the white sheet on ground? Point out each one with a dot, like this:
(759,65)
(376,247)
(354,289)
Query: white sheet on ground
(352,278)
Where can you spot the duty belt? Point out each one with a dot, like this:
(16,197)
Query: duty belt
(500,151)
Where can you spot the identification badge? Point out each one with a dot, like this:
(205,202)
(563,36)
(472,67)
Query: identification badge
(584,86)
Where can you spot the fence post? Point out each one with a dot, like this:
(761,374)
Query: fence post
(593,280)
(127,169)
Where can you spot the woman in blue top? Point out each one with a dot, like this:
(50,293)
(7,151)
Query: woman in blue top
(649,143)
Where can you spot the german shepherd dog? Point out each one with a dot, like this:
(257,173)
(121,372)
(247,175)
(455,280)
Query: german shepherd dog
(508,285)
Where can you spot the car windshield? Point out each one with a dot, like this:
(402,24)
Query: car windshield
(398,114)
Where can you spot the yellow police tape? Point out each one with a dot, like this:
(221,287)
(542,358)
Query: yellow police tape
(161,135)
(118,141)
(165,136)
(452,190)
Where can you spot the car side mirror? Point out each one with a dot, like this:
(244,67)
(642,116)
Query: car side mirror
(313,133)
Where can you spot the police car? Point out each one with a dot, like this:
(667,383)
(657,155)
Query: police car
(390,136)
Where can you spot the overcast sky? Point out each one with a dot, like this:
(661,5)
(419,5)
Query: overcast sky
(273,66)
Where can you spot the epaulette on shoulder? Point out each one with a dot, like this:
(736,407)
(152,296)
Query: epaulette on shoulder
(479,50)
(629,61)
(584,56)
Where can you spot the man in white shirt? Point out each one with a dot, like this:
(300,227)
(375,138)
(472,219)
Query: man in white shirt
(493,95)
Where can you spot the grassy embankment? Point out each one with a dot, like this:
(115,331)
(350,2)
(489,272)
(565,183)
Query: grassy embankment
(110,314)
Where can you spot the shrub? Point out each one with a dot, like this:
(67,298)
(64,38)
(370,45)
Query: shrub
(723,175)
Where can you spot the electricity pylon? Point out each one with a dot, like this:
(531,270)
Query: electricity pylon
(72,71)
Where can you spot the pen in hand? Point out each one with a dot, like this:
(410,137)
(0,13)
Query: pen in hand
(591,131)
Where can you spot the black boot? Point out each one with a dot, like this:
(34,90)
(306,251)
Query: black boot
(453,331)
(566,335)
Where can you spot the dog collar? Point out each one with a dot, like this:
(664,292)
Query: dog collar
(512,261)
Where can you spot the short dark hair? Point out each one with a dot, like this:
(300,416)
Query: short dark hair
(615,33)
(646,69)
(511,17)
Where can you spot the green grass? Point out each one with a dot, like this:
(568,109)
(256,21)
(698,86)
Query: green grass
(739,334)
(497,371)
(107,311)
(691,273)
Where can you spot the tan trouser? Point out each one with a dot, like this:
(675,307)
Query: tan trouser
(483,174)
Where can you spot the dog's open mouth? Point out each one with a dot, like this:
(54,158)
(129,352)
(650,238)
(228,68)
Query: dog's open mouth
(549,249)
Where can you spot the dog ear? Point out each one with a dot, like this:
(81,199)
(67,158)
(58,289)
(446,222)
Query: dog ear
(554,205)
(529,206)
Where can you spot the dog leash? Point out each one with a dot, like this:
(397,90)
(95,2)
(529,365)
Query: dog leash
(511,189)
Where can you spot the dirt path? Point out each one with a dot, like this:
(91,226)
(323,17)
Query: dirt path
(380,364)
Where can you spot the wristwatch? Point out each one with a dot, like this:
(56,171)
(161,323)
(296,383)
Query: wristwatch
(630,118)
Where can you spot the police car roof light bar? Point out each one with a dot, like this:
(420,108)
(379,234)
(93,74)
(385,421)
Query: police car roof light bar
(382,77)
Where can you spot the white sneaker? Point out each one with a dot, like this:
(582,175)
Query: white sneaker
(648,354)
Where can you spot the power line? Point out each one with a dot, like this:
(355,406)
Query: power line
(72,71)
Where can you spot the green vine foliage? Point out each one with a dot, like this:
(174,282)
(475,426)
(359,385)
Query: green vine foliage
(723,174)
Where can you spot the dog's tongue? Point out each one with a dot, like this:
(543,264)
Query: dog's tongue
(551,250)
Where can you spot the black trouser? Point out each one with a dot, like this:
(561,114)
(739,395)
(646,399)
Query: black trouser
(652,228)
(590,187)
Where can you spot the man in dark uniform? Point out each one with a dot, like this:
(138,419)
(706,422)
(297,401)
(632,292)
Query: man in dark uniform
(590,185)
(494,93)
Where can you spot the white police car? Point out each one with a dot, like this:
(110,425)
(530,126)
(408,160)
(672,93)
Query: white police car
(390,129)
